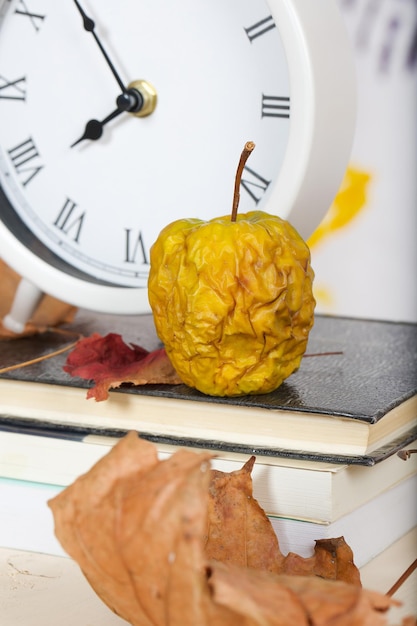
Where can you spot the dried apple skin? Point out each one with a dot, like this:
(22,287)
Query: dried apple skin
(232,301)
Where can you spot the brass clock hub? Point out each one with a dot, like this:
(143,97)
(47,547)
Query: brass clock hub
(148,95)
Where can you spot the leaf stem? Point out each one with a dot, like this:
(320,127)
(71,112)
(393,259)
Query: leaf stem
(402,579)
(405,454)
(249,146)
(49,355)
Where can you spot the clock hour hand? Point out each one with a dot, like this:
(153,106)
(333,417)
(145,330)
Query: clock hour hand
(129,102)
(89,26)
(94,128)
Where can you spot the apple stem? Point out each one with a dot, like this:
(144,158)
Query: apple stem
(249,146)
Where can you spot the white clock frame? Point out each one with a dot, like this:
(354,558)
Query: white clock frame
(323,95)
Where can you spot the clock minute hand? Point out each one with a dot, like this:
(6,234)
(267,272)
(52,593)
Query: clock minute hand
(89,26)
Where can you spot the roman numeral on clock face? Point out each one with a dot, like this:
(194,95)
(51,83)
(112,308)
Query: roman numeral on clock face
(13,89)
(260,28)
(70,220)
(36,19)
(133,245)
(24,158)
(254,184)
(275,106)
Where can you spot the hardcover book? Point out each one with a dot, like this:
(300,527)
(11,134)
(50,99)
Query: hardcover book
(295,488)
(353,399)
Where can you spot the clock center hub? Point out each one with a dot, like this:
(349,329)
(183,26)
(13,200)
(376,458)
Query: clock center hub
(140,99)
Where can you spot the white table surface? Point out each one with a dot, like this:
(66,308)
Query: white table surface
(43,590)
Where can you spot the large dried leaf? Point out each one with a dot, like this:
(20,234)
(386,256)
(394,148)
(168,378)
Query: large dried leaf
(240,532)
(256,595)
(279,600)
(332,559)
(87,515)
(110,362)
(171,501)
(137,527)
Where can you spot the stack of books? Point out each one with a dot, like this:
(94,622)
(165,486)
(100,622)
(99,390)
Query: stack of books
(325,442)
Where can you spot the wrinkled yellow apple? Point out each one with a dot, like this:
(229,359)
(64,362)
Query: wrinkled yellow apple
(232,301)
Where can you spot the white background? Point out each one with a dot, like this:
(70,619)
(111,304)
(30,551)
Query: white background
(368,267)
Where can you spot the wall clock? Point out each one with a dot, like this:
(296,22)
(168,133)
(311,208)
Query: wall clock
(118,117)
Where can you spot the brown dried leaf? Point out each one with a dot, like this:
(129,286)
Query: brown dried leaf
(240,532)
(330,602)
(279,600)
(50,312)
(87,515)
(256,595)
(169,504)
(137,527)
(332,559)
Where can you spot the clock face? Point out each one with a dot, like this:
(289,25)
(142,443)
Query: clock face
(87,196)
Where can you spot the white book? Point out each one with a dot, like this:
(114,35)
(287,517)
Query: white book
(300,489)
(26,522)
(368,530)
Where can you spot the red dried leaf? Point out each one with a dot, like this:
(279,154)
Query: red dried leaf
(110,362)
